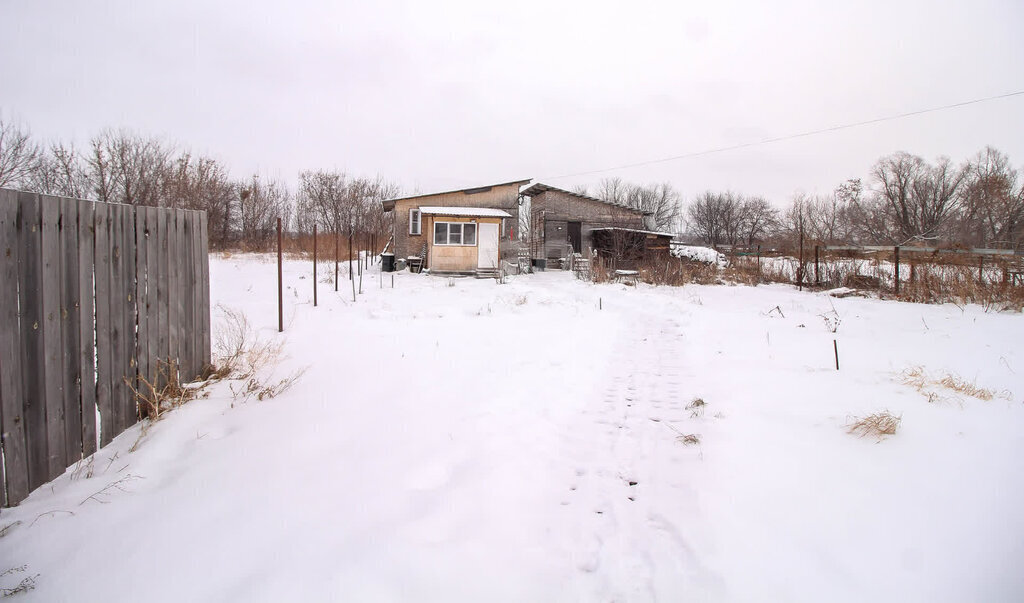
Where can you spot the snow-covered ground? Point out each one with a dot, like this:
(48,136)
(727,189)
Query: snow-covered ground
(460,440)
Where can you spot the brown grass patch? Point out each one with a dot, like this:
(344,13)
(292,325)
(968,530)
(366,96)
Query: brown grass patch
(879,425)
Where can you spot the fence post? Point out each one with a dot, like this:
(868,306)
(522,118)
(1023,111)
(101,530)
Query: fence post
(800,270)
(350,254)
(896,281)
(314,265)
(759,262)
(335,259)
(280,299)
(981,271)
(817,272)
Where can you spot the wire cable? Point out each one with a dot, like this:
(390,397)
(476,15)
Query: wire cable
(789,136)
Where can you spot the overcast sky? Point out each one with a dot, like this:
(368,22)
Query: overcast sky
(438,96)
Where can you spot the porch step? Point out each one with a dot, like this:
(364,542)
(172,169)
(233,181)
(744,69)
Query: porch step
(487,273)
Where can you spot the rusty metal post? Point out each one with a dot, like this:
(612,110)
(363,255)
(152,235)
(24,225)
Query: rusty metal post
(335,259)
(800,270)
(835,348)
(896,280)
(981,271)
(350,254)
(280,298)
(759,261)
(314,265)
(817,271)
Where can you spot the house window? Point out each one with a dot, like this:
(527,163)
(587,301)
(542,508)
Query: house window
(414,222)
(454,233)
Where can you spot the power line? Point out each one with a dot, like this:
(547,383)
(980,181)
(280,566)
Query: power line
(789,136)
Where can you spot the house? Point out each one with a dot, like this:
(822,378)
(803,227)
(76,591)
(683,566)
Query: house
(459,231)
(563,222)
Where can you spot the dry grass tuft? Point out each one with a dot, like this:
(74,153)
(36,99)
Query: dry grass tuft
(689,439)
(926,385)
(880,424)
(696,408)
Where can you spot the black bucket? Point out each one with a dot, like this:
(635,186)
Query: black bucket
(387,262)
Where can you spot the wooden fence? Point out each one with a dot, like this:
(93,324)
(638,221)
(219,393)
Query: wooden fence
(93,298)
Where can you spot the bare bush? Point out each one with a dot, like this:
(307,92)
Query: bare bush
(696,408)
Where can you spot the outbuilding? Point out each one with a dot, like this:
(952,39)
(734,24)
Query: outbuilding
(456,232)
(563,222)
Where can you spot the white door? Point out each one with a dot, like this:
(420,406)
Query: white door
(487,245)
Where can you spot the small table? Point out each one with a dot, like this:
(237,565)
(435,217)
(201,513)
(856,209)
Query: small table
(629,276)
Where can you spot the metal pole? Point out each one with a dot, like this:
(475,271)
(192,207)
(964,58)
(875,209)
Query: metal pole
(817,272)
(280,298)
(800,270)
(981,271)
(335,259)
(835,348)
(314,265)
(896,254)
(350,254)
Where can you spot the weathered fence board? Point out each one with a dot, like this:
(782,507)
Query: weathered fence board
(87,324)
(184,295)
(30,290)
(56,458)
(204,266)
(70,318)
(93,297)
(104,356)
(141,309)
(173,320)
(152,307)
(162,287)
(117,309)
(12,422)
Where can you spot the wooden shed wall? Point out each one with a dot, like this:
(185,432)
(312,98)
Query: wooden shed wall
(560,208)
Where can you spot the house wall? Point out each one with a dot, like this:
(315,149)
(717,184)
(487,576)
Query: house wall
(504,197)
(453,258)
(559,207)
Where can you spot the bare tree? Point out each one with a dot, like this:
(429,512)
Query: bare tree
(202,183)
(757,218)
(59,171)
(918,199)
(128,168)
(993,211)
(18,154)
(261,203)
(613,190)
(581,189)
(661,202)
(714,217)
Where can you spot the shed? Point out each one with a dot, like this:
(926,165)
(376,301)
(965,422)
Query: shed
(563,222)
(457,231)
(628,247)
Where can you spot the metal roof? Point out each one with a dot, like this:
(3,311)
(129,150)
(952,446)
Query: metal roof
(539,188)
(389,204)
(478,212)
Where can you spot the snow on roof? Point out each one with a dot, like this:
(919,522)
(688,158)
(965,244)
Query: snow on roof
(479,212)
